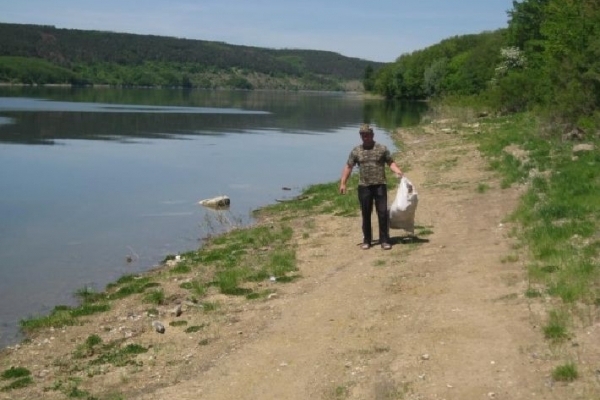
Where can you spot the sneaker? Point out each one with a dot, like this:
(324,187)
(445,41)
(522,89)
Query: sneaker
(386,246)
(365,246)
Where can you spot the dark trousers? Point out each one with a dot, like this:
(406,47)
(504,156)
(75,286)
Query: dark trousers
(367,195)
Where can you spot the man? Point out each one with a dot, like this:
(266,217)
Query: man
(371,158)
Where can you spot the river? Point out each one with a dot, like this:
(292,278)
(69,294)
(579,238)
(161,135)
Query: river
(98,183)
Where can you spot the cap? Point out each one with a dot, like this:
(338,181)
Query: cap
(365,128)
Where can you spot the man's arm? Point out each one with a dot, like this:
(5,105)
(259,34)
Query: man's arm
(394,167)
(345,175)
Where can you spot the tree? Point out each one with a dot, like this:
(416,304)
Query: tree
(369,78)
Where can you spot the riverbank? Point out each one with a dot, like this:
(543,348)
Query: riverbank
(440,316)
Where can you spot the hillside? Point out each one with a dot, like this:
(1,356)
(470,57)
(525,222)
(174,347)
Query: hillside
(46,54)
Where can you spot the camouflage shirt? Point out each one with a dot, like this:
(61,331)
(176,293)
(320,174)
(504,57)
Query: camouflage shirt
(371,162)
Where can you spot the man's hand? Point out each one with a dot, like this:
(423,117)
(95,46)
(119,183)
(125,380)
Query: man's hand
(342,189)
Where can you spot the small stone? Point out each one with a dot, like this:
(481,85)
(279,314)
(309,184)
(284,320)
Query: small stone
(425,357)
(158,326)
(177,310)
(492,395)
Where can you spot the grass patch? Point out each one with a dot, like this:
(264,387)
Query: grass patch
(112,353)
(556,328)
(195,328)
(155,297)
(178,323)
(195,287)
(20,376)
(565,373)
(63,315)
(559,213)
(15,372)
(210,306)
(482,188)
(17,384)
(424,232)
(533,293)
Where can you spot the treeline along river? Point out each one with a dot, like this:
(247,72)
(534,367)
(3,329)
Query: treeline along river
(98,183)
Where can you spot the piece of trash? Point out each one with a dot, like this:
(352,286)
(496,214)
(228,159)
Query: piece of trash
(273,279)
(216,202)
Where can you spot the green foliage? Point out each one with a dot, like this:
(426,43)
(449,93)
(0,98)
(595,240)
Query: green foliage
(560,43)
(109,58)
(369,78)
(34,71)
(565,373)
(458,65)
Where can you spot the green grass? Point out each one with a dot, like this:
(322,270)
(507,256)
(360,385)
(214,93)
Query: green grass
(112,353)
(482,188)
(156,296)
(559,213)
(195,328)
(15,372)
(89,347)
(17,384)
(63,315)
(210,306)
(20,377)
(556,328)
(565,373)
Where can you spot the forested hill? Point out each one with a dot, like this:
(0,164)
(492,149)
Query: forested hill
(46,54)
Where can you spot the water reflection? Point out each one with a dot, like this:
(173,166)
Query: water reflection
(29,121)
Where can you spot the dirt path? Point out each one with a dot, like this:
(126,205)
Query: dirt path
(441,317)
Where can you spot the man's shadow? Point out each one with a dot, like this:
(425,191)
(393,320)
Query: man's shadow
(407,239)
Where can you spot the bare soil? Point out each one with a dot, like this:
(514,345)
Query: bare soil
(442,316)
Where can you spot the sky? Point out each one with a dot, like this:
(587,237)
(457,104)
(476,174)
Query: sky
(376,30)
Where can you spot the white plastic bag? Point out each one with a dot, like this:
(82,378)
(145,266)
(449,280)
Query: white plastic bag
(402,210)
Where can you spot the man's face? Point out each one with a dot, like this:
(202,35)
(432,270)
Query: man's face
(367,137)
